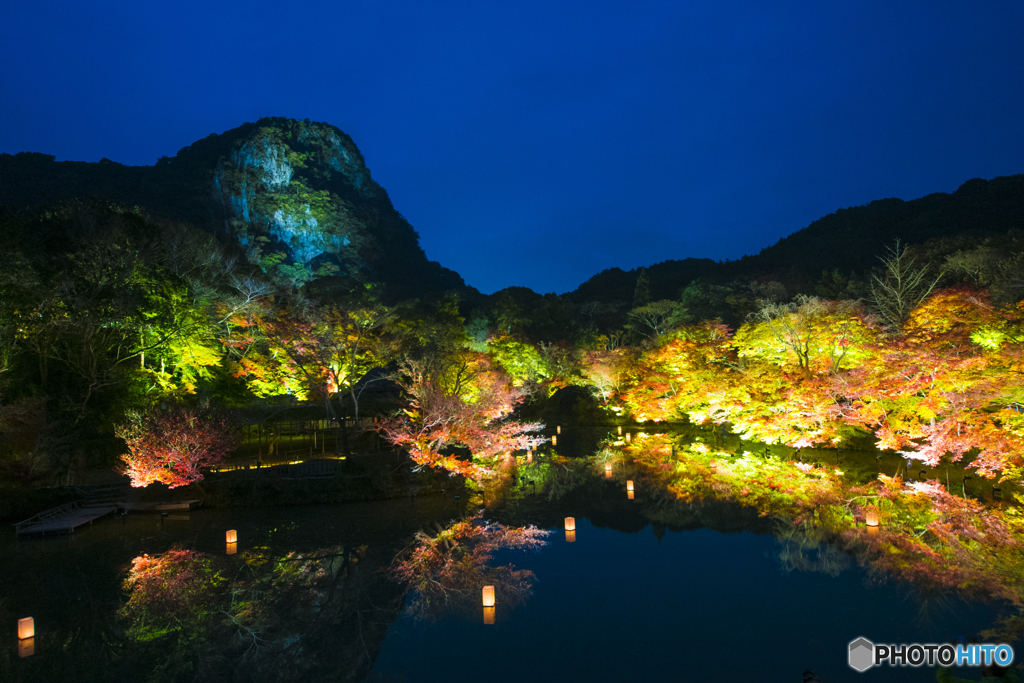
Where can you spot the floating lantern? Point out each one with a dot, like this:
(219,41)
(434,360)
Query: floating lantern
(26,647)
(608,468)
(558,429)
(871,518)
(232,548)
(232,536)
(529,456)
(620,431)
(570,536)
(554,440)
(714,467)
(488,615)
(488,596)
(26,628)
(629,485)
(570,524)
(627,438)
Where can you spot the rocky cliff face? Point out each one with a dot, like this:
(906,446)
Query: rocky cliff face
(295,196)
(300,200)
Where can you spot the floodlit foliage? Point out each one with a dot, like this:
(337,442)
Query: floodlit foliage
(466,405)
(173,446)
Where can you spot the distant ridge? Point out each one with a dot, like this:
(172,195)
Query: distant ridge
(849,240)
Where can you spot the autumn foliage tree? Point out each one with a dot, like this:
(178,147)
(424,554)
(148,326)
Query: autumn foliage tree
(173,446)
(465,404)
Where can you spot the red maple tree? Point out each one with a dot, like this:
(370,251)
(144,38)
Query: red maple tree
(173,446)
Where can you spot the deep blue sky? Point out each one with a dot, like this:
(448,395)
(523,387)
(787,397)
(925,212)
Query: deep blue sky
(538,142)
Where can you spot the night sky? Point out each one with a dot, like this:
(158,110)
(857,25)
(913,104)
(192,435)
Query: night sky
(538,143)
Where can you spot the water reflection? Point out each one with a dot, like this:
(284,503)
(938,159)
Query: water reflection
(305,605)
(449,570)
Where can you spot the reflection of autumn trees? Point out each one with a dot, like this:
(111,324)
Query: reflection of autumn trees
(271,617)
(927,536)
(449,570)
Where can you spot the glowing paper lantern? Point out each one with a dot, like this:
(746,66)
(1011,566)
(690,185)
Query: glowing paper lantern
(714,467)
(629,485)
(570,524)
(627,438)
(871,518)
(620,431)
(26,628)
(558,429)
(529,456)
(554,440)
(488,596)
(488,615)
(232,536)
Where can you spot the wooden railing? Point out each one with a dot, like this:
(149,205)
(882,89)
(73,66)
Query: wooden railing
(47,515)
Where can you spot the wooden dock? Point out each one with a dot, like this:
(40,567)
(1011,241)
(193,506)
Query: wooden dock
(161,507)
(63,519)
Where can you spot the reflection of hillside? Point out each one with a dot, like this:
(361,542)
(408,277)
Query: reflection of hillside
(274,620)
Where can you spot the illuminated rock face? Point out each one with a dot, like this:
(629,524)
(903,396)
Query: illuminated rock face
(298,197)
(295,195)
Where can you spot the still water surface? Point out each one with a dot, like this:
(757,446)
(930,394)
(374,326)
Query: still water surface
(691,606)
(615,605)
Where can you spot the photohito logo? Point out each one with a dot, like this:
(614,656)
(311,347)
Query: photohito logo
(864,654)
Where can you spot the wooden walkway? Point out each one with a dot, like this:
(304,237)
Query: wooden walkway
(63,519)
(161,507)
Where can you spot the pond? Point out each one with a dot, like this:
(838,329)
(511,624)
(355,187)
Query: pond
(650,588)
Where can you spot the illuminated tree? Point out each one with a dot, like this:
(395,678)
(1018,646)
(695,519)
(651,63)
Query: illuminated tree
(173,446)
(465,406)
(820,335)
(901,286)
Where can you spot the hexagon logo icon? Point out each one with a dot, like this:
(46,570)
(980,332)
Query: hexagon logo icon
(862,654)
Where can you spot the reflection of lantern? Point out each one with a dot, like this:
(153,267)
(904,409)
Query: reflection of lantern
(488,615)
(620,431)
(871,518)
(570,524)
(627,438)
(714,467)
(232,548)
(629,494)
(554,440)
(570,536)
(488,596)
(26,628)
(558,429)
(26,647)
(232,536)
